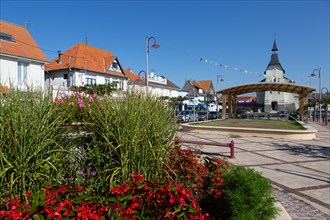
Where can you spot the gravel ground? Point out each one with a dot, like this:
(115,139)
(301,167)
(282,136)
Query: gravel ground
(298,209)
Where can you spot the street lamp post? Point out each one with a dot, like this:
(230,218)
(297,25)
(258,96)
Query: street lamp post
(313,74)
(326,106)
(154,45)
(145,76)
(309,106)
(193,88)
(221,80)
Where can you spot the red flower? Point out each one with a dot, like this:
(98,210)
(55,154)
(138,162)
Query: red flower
(28,195)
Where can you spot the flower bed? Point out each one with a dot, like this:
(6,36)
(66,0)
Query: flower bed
(127,167)
(176,195)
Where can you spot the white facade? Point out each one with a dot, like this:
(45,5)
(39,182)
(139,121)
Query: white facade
(157,86)
(21,73)
(163,91)
(62,80)
(277,100)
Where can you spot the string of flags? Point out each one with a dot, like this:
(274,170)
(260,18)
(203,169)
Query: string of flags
(218,64)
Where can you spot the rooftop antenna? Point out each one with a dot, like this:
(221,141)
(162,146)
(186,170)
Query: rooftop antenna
(27,24)
(87,40)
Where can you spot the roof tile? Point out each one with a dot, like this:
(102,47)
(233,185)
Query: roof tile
(24,45)
(82,56)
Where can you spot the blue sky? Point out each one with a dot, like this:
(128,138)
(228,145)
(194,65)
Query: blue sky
(238,34)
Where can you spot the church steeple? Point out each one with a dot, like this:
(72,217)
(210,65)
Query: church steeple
(274,60)
(274,46)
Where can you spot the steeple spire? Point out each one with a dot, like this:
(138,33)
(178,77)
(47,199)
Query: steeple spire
(274,44)
(274,60)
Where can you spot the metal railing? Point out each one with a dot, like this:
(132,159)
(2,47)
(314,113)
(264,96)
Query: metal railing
(231,145)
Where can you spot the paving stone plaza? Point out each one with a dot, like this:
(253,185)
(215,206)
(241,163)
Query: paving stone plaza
(298,170)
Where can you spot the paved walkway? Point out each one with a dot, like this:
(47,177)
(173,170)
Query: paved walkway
(298,170)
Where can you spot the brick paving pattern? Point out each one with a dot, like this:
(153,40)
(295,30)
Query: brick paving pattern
(298,170)
(298,209)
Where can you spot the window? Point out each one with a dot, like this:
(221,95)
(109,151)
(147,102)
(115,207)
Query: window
(114,65)
(65,76)
(7,37)
(120,84)
(22,73)
(107,81)
(90,81)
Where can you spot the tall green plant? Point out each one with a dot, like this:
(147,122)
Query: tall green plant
(246,195)
(31,141)
(133,134)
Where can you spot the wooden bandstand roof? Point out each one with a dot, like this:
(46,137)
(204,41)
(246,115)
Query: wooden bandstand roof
(261,87)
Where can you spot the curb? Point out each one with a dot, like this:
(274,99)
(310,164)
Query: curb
(283,214)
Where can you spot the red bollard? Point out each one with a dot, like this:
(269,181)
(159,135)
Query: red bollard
(232,154)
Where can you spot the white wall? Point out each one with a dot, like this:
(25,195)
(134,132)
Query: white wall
(9,69)
(78,78)
(163,91)
(282,98)
(274,75)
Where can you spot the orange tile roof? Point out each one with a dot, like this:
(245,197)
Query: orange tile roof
(130,74)
(205,85)
(82,56)
(25,46)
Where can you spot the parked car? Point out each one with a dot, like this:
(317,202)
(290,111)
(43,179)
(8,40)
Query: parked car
(213,115)
(187,116)
(183,116)
(202,116)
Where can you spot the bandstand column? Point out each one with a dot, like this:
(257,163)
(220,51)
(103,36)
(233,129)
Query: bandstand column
(303,102)
(234,106)
(224,99)
(229,105)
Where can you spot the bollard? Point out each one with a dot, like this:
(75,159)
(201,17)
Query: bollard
(232,154)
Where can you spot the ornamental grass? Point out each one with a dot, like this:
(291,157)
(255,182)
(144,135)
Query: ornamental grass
(86,156)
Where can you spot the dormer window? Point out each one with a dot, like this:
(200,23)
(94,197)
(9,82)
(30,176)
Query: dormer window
(7,37)
(114,66)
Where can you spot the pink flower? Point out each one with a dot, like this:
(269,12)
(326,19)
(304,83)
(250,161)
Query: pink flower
(80,172)
(93,173)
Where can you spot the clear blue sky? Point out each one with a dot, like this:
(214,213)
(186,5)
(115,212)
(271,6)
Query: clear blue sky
(239,34)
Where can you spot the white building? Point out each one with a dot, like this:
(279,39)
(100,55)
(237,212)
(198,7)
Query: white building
(273,100)
(21,60)
(82,65)
(158,86)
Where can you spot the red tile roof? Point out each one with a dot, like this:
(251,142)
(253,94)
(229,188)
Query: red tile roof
(82,56)
(24,45)
(246,98)
(131,75)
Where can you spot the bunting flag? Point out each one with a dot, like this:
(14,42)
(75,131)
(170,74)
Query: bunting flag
(217,64)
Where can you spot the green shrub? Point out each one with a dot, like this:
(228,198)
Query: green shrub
(246,195)
(31,142)
(132,134)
